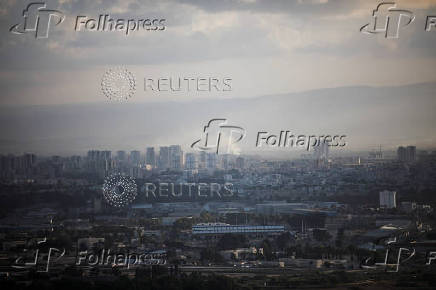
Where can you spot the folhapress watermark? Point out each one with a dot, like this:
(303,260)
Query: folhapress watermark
(108,23)
(398,254)
(218,136)
(39,259)
(38,19)
(287,139)
(41,262)
(388,20)
(106,257)
(214,140)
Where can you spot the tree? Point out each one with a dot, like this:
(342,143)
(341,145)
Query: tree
(267,250)
(232,241)
(321,235)
(183,223)
(339,238)
(211,255)
(206,217)
(284,240)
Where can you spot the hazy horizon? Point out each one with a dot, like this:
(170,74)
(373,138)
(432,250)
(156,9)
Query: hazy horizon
(294,65)
(74,128)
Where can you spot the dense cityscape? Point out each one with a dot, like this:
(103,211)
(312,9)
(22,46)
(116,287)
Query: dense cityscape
(217,145)
(321,214)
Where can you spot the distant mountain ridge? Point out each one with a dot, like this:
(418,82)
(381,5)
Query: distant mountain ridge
(370,116)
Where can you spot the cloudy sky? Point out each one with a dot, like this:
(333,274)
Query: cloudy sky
(267,47)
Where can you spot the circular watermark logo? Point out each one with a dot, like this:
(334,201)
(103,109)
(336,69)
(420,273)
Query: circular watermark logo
(119,190)
(118,84)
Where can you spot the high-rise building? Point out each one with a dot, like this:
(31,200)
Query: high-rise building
(240,163)
(190,161)
(225,161)
(96,155)
(376,154)
(321,151)
(74,162)
(7,163)
(121,155)
(150,157)
(411,153)
(106,155)
(135,157)
(100,161)
(176,157)
(211,160)
(406,154)
(93,155)
(388,199)
(29,160)
(164,157)
(202,160)
(401,153)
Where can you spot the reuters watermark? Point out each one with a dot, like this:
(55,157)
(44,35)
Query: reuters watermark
(120,190)
(120,84)
(191,191)
(188,84)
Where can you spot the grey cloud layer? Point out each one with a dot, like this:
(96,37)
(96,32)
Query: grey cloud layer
(267,47)
(257,32)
